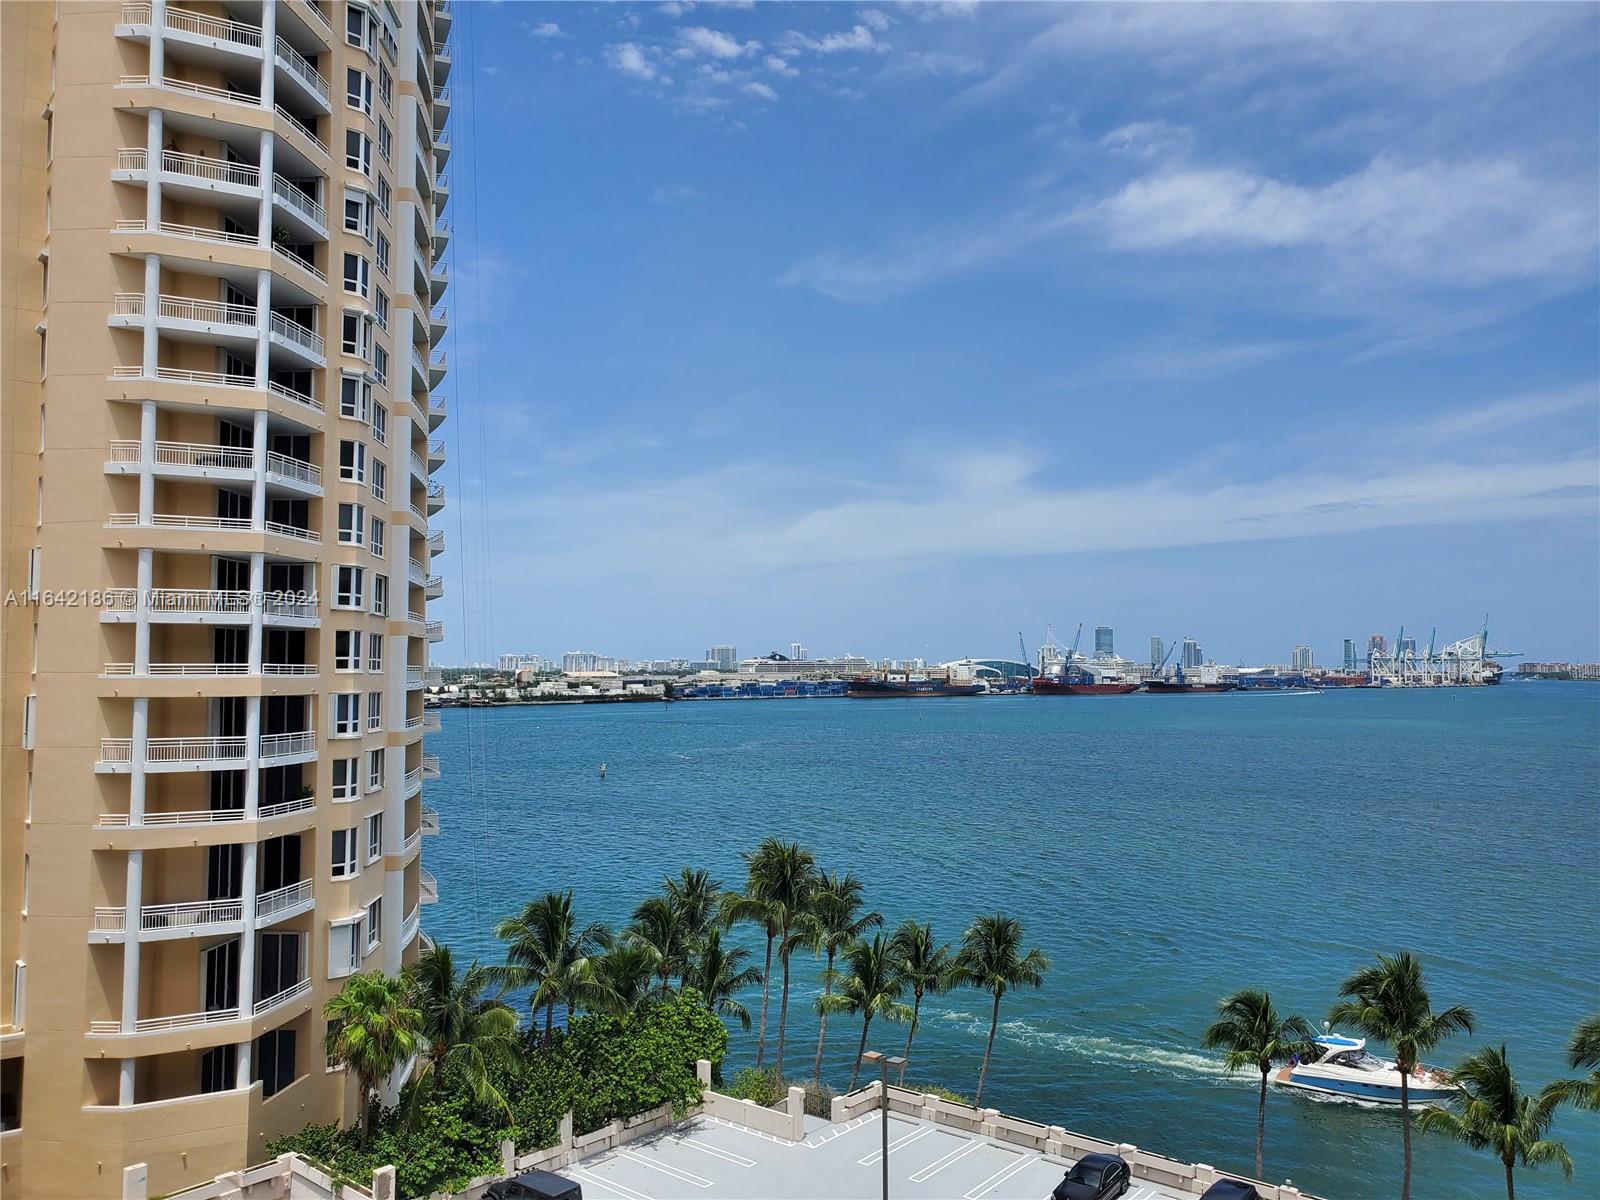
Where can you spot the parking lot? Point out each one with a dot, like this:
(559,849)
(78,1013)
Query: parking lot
(710,1159)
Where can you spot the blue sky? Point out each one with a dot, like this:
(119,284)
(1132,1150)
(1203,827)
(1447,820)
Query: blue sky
(898,329)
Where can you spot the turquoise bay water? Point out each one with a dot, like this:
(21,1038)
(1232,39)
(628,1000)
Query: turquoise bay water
(1161,850)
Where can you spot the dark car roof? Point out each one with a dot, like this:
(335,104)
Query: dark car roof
(1101,1159)
(536,1185)
(1231,1189)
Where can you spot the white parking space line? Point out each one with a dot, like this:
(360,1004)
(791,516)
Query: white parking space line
(738,1160)
(939,1164)
(678,1173)
(1146,1192)
(755,1133)
(999,1177)
(611,1187)
(903,1140)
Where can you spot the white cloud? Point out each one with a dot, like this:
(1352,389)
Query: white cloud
(630,58)
(759,90)
(780,66)
(697,39)
(1148,139)
(546,29)
(857,38)
(877,20)
(1517,410)
(676,8)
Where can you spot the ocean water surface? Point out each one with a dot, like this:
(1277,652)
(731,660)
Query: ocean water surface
(1161,850)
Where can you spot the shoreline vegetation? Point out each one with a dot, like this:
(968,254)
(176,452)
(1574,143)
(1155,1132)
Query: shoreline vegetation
(606,1023)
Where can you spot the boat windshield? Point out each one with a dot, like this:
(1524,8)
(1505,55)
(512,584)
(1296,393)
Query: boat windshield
(1358,1059)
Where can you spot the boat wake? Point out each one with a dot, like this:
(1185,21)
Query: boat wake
(1088,1048)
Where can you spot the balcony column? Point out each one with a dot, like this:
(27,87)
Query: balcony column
(153,151)
(268,145)
(158,42)
(141,630)
(252,757)
(152,308)
(258,464)
(138,751)
(247,954)
(258,572)
(132,920)
(263,322)
(147,461)
(269,55)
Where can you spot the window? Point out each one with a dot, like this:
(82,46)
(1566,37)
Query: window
(384,195)
(358,151)
(349,589)
(380,480)
(357,275)
(374,767)
(374,711)
(218,1066)
(380,595)
(375,542)
(380,424)
(381,306)
(353,461)
(374,923)
(347,714)
(344,853)
(385,86)
(383,253)
(358,90)
(275,1054)
(357,27)
(374,836)
(375,652)
(344,953)
(380,365)
(346,779)
(346,650)
(355,334)
(358,213)
(385,139)
(352,524)
(355,398)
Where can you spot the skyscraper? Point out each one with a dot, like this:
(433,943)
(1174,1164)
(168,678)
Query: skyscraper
(726,657)
(1192,655)
(1102,641)
(1350,659)
(1301,659)
(798,652)
(1377,644)
(220,269)
(1406,645)
(1158,651)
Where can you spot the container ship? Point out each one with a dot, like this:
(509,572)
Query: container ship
(1181,685)
(1082,684)
(881,687)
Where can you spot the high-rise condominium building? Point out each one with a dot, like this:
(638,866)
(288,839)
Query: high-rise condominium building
(1158,651)
(725,657)
(1350,660)
(1302,658)
(221,231)
(1102,641)
(1193,656)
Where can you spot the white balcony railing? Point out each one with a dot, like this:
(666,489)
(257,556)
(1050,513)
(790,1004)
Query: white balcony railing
(176,749)
(415,571)
(282,745)
(427,886)
(206,816)
(412,844)
(289,994)
(183,20)
(301,68)
(429,823)
(110,920)
(185,670)
(434,631)
(220,1016)
(293,531)
(228,94)
(270,904)
(414,677)
(430,766)
(294,260)
(302,128)
(190,915)
(410,927)
(293,331)
(176,521)
(413,782)
(184,454)
(193,232)
(193,166)
(296,199)
(293,468)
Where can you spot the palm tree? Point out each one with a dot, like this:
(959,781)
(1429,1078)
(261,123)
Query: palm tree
(1492,1113)
(835,921)
(1583,1051)
(548,952)
(1389,1002)
(696,896)
(372,1029)
(927,969)
(992,958)
(719,974)
(1255,1037)
(459,1024)
(868,987)
(659,924)
(750,908)
(618,982)
(786,875)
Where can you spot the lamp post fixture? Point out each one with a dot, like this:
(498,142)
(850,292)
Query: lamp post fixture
(884,1062)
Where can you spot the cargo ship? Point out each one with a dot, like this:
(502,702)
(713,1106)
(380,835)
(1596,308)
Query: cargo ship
(881,687)
(1082,684)
(1178,685)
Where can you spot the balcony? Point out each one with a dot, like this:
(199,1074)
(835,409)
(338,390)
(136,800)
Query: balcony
(419,466)
(411,845)
(184,87)
(206,753)
(204,606)
(430,767)
(410,927)
(438,281)
(438,324)
(215,379)
(412,782)
(415,677)
(441,63)
(193,233)
(435,496)
(441,148)
(438,409)
(441,106)
(298,69)
(441,238)
(204,817)
(434,631)
(430,721)
(441,194)
(232,41)
(430,822)
(225,524)
(198,460)
(436,456)
(293,200)
(205,670)
(287,996)
(435,541)
(283,903)
(195,918)
(191,176)
(433,587)
(415,571)
(435,677)
(427,887)
(441,19)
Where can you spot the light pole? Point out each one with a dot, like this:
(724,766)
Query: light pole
(884,1061)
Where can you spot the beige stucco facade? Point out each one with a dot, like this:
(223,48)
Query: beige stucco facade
(220,229)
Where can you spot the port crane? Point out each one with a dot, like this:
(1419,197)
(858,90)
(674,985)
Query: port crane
(1465,662)
(1071,654)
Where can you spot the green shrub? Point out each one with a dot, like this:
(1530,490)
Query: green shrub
(943,1093)
(759,1087)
